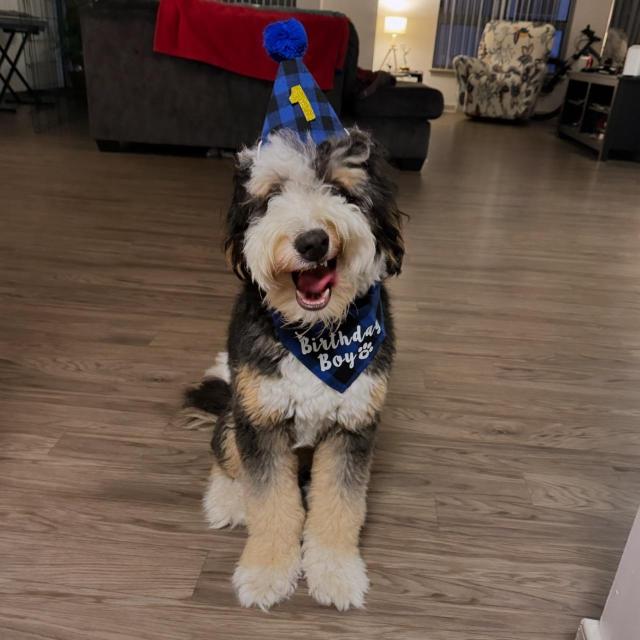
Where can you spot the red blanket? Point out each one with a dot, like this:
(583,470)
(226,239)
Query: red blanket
(230,36)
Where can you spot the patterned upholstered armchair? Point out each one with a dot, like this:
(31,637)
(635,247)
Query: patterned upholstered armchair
(506,77)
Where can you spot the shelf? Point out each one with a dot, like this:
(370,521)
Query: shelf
(594,77)
(607,122)
(584,138)
(599,109)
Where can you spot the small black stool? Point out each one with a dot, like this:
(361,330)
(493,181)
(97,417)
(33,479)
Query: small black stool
(23,25)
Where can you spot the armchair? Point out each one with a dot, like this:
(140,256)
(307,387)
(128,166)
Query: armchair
(506,77)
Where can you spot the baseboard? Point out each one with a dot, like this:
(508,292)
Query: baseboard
(589,630)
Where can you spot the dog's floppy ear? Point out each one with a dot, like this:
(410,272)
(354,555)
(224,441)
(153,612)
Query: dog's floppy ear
(238,217)
(386,215)
(356,165)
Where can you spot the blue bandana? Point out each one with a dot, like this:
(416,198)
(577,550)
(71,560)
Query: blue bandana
(338,357)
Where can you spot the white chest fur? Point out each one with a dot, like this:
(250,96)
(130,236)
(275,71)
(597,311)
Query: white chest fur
(314,406)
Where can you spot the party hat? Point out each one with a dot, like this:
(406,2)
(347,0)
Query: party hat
(297,102)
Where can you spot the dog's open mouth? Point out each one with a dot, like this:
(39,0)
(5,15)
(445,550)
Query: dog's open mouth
(313,286)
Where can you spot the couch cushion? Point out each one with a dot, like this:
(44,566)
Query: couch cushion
(405,99)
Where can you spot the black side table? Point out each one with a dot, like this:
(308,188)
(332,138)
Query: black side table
(411,73)
(24,26)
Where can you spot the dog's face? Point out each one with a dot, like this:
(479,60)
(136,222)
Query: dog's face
(313,226)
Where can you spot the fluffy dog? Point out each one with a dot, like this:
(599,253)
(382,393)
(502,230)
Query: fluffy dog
(310,229)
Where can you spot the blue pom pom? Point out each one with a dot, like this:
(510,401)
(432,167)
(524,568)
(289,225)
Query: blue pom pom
(285,40)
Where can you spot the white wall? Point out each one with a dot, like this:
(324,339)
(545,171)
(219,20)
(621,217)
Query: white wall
(363,15)
(621,616)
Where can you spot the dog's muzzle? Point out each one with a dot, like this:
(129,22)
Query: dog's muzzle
(313,284)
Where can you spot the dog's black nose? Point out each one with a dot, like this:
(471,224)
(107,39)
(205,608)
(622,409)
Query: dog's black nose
(312,245)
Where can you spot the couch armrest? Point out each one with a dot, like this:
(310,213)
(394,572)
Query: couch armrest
(535,72)
(402,100)
(464,66)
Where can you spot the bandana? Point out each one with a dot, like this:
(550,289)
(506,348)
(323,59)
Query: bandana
(338,356)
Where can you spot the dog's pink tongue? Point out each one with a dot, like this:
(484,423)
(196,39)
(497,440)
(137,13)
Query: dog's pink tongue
(316,280)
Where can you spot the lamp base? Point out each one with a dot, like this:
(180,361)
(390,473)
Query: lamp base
(392,52)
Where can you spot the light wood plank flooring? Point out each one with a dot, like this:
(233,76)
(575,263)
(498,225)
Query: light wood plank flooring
(508,467)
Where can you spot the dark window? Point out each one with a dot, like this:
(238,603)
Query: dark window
(461,22)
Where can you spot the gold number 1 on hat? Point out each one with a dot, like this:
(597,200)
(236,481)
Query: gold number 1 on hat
(298,96)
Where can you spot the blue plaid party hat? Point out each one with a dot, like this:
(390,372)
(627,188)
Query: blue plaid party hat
(297,102)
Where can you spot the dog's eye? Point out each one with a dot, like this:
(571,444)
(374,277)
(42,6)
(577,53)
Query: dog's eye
(340,190)
(352,176)
(260,205)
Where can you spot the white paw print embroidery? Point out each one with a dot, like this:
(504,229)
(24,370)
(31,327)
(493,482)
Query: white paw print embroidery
(364,350)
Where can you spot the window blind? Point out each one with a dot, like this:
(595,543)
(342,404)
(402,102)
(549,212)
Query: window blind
(461,22)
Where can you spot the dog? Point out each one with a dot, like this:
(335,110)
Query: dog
(311,228)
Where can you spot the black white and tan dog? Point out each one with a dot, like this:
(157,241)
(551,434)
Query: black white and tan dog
(313,230)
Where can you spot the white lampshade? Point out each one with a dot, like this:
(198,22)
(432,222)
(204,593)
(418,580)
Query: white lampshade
(395,24)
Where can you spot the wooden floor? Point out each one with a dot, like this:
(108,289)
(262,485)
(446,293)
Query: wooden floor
(508,467)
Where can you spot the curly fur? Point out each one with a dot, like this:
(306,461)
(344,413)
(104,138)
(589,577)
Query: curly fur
(287,186)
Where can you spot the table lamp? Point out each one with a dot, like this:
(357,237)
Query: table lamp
(394,25)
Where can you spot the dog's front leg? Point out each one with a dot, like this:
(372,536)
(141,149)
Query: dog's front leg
(336,574)
(270,563)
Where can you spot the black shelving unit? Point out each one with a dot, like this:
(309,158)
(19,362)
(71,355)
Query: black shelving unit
(601,112)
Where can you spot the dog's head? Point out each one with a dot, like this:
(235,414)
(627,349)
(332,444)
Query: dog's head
(314,226)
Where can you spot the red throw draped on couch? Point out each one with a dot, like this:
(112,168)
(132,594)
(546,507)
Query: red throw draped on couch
(230,36)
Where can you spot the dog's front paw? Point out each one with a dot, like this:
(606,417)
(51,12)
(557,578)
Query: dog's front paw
(223,502)
(264,586)
(335,578)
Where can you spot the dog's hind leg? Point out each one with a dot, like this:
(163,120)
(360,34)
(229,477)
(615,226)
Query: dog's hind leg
(223,501)
(207,406)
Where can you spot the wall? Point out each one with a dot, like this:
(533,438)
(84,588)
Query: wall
(362,13)
(621,616)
